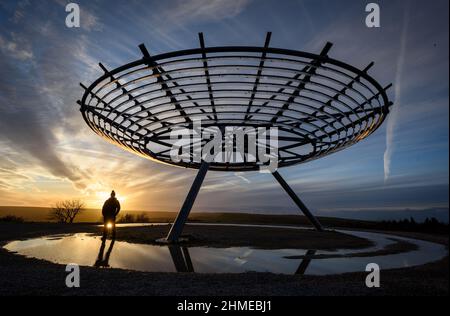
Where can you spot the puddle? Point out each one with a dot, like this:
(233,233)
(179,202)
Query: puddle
(87,250)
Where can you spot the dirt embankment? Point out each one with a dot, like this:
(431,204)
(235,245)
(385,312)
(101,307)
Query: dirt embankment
(240,236)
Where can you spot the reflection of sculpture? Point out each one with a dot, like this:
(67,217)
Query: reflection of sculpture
(181,258)
(183,263)
(305,262)
(103,260)
(319,106)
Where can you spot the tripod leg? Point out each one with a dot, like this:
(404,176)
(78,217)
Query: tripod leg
(178,225)
(297,201)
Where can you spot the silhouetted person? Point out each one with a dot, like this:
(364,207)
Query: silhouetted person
(110,209)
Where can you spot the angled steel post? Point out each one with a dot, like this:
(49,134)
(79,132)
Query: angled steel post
(297,201)
(178,225)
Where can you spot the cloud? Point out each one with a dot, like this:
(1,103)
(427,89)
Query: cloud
(90,21)
(25,133)
(240,175)
(19,12)
(395,111)
(16,48)
(183,12)
(36,98)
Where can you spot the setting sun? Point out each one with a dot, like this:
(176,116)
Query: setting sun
(102,196)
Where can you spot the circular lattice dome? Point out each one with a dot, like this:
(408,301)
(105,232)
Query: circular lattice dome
(318,105)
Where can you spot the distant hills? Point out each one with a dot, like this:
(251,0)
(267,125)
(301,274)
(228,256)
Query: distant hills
(441,214)
(39,214)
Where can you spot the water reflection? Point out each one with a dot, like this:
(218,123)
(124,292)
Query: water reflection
(183,263)
(103,260)
(179,254)
(305,262)
(181,258)
(87,250)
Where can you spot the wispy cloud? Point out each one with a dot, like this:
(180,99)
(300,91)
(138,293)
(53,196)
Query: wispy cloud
(19,12)
(16,48)
(395,112)
(182,12)
(241,176)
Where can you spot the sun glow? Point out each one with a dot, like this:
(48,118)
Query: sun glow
(102,196)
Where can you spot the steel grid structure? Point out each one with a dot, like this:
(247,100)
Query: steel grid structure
(318,104)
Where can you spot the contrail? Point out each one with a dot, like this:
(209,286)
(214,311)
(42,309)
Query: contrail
(393,116)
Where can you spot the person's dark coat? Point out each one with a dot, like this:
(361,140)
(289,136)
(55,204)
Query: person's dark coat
(111,208)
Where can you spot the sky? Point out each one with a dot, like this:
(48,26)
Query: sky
(48,153)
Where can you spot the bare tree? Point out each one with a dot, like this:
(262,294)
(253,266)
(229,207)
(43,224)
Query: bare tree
(66,211)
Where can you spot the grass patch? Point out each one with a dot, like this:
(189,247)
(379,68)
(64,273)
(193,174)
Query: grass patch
(12,219)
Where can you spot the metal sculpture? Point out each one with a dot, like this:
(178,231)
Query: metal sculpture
(319,105)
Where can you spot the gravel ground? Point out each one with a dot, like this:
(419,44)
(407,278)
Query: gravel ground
(25,276)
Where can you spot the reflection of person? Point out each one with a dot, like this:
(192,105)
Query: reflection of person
(104,261)
(110,209)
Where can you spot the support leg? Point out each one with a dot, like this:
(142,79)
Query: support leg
(297,201)
(178,225)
